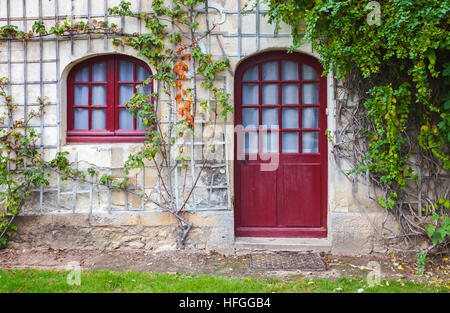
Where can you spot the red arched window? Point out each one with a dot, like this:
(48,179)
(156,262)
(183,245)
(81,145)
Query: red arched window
(97,91)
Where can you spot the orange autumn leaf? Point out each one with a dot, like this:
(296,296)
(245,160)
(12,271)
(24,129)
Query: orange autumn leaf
(178,83)
(187,105)
(178,98)
(189,119)
(184,92)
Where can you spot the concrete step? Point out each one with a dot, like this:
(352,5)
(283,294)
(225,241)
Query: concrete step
(282,244)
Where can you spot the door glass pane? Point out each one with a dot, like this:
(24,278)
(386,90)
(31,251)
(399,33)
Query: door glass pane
(125,93)
(308,72)
(310,118)
(250,94)
(310,142)
(270,71)
(250,142)
(125,119)
(81,96)
(289,70)
(141,74)
(99,72)
(290,142)
(99,95)
(310,94)
(290,94)
(82,75)
(81,119)
(250,117)
(270,117)
(270,141)
(270,94)
(290,118)
(98,119)
(125,71)
(251,73)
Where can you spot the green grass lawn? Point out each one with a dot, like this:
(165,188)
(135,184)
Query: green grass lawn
(105,281)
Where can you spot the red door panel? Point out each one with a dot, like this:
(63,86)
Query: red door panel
(300,195)
(258,203)
(280,102)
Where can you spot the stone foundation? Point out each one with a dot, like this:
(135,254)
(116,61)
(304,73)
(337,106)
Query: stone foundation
(349,233)
(355,233)
(127,231)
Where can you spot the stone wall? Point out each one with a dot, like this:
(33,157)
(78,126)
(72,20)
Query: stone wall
(68,216)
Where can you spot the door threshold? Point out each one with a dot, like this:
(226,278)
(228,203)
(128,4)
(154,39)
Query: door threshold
(282,244)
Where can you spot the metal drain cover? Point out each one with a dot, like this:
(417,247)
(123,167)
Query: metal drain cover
(288,261)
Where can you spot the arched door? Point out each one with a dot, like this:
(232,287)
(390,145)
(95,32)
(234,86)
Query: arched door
(280,101)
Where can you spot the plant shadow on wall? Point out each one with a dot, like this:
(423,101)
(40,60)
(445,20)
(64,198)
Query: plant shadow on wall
(179,64)
(389,59)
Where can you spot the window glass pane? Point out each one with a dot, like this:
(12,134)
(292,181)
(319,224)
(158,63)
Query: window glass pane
(125,93)
(146,90)
(308,72)
(270,94)
(99,72)
(99,95)
(125,71)
(310,118)
(310,93)
(98,119)
(81,96)
(270,141)
(141,74)
(125,119)
(82,75)
(289,70)
(270,71)
(250,117)
(81,119)
(290,142)
(250,142)
(290,94)
(290,118)
(270,117)
(310,142)
(251,73)
(250,94)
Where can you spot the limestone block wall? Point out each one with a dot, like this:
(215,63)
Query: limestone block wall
(68,214)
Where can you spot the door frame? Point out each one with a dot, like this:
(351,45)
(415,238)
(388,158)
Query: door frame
(300,232)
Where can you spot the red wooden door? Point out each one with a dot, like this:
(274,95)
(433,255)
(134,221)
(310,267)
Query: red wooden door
(281,103)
